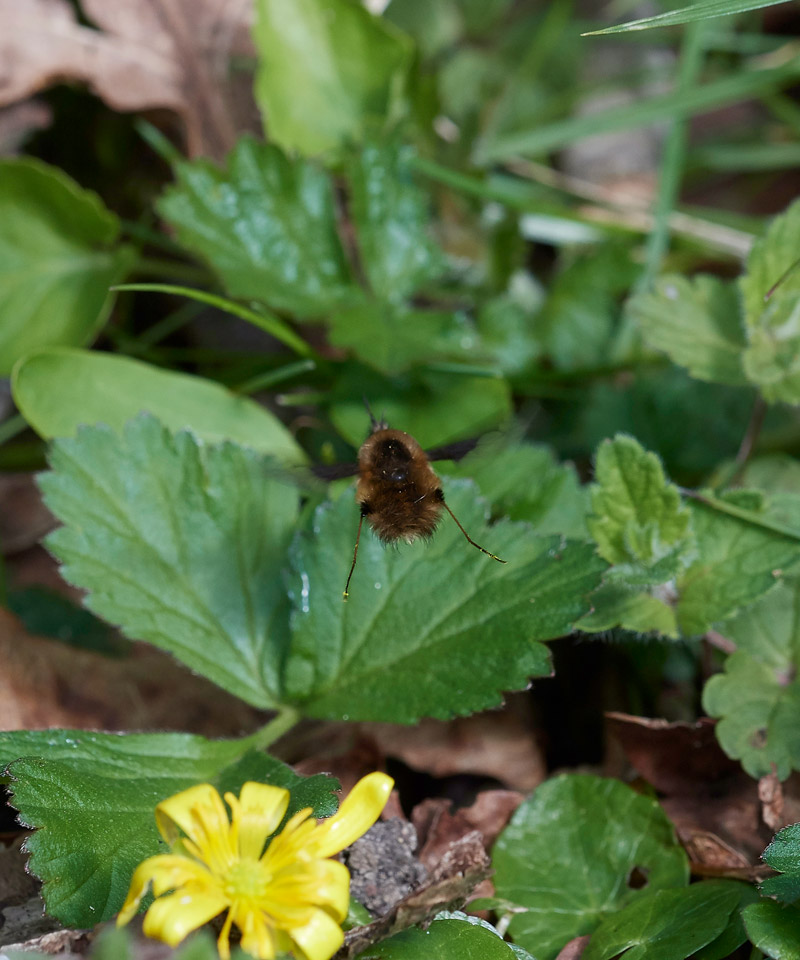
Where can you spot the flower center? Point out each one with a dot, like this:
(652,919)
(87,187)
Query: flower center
(247,878)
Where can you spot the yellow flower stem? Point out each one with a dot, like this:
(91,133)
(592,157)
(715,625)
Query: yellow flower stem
(281,723)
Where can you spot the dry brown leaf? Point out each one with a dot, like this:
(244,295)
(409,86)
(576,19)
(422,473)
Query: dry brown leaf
(438,828)
(144,54)
(770,793)
(498,744)
(17,123)
(713,804)
(44,684)
(24,519)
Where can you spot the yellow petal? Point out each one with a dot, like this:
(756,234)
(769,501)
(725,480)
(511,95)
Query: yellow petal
(180,812)
(315,883)
(257,936)
(172,917)
(260,809)
(320,938)
(356,815)
(166,872)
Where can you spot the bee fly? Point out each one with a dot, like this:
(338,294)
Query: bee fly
(398,493)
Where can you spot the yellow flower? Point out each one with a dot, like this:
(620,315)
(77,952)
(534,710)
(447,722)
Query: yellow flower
(289,897)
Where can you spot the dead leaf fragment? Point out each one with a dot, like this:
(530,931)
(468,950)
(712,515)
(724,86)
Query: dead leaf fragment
(44,683)
(144,54)
(770,793)
(574,949)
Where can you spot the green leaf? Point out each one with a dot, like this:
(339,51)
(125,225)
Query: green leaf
(93,795)
(758,695)
(526,482)
(393,340)
(328,69)
(447,939)
(697,323)
(734,935)
(771,359)
(391,219)
(436,609)
(638,515)
(58,390)
(267,226)
(700,10)
(569,853)
(58,257)
(49,614)
(737,562)
(771,258)
(783,855)
(434,408)
(774,929)
(179,544)
(773,325)
(620,605)
(577,322)
(666,924)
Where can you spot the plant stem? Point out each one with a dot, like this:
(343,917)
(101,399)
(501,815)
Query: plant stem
(749,516)
(12,427)
(281,723)
(272,377)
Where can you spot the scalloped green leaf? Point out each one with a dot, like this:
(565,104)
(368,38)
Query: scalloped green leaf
(433,609)
(526,482)
(59,390)
(757,698)
(58,257)
(569,853)
(93,795)
(737,562)
(697,322)
(390,214)
(181,545)
(266,226)
(638,515)
(328,70)
(783,855)
(666,924)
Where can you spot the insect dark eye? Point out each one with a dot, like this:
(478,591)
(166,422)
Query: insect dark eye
(398,474)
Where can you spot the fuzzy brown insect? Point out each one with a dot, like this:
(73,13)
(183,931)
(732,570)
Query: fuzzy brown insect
(398,492)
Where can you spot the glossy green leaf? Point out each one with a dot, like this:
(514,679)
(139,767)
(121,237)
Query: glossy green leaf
(58,258)
(391,218)
(266,225)
(774,928)
(697,323)
(433,408)
(666,924)
(327,70)
(526,482)
(734,934)
(737,562)
(700,10)
(757,698)
(638,518)
(569,855)
(437,609)
(783,855)
(179,544)
(59,390)
(92,796)
(445,939)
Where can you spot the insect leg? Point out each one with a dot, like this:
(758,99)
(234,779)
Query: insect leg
(469,538)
